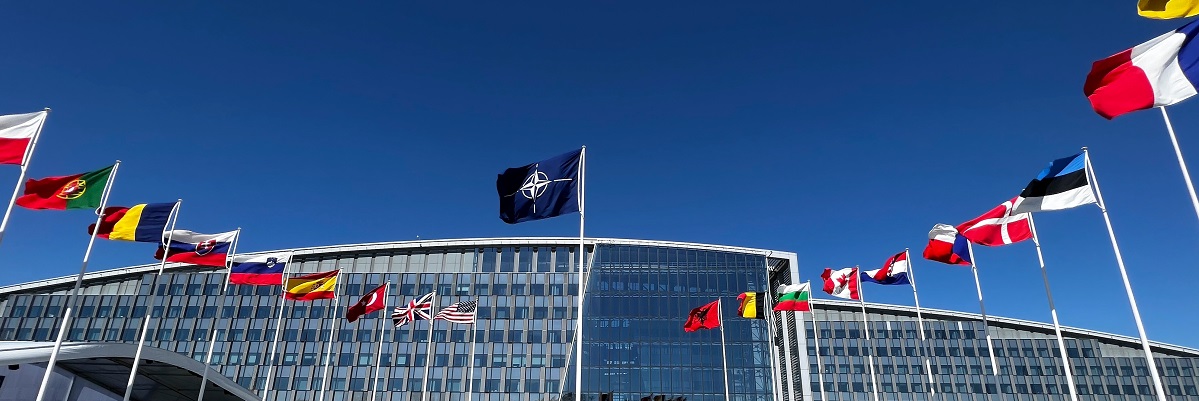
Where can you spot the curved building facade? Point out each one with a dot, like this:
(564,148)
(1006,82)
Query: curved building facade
(638,296)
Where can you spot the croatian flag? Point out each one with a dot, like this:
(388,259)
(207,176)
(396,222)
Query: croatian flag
(945,245)
(894,272)
(259,269)
(197,249)
(1160,72)
(998,226)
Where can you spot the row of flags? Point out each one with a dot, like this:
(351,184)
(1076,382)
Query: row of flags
(323,285)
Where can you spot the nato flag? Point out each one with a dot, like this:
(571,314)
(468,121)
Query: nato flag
(540,190)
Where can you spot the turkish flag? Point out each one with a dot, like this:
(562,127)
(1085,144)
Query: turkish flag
(370,302)
(704,317)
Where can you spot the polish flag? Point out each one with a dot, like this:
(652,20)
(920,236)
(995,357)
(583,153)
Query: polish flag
(16,135)
(997,226)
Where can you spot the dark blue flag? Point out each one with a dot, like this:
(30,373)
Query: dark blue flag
(540,190)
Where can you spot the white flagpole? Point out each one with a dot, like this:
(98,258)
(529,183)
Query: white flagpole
(1186,175)
(1132,301)
(582,284)
(141,342)
(66,316)
(928,368)
(866,329)
(816,338)
(279,326)
(1057,328)
(374,386)
(983,309)
(25,168)
(329,351)
(771,328)
(724,356)
(221,302)
(429,350)
(470,365)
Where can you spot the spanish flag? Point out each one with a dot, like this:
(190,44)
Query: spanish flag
(1167,9)
(751,305)
(142,223)
(312,287)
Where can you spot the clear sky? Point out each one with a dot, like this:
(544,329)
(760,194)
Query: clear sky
(839,132)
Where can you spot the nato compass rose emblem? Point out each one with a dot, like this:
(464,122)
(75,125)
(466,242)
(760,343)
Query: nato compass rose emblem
(535,185)
(73,190)
(204,247)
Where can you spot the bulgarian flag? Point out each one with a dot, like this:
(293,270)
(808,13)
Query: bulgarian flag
(794,297)
(79,191)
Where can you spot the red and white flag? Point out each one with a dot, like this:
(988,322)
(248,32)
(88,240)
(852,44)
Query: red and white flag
(369,303)
(16,134)
(997,226)
(842,283)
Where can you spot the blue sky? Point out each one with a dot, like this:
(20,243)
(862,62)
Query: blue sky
(842,134)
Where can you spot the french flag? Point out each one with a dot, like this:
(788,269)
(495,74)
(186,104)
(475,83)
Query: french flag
(945,245)
(197,249)
(259,269)
(894,272)
(1160,72)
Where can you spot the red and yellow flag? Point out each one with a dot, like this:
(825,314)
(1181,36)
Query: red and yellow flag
(311,287)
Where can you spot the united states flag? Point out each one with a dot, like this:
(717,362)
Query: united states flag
(461,312)
(417,309)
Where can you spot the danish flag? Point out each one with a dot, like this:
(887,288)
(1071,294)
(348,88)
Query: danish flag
(998,226)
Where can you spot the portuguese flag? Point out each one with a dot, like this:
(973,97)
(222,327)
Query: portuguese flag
(794,297)
(79,191)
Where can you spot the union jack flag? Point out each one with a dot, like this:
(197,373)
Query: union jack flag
(417,309)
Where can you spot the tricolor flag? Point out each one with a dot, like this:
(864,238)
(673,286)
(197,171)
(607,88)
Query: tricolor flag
(259,269)
(1160,72)
(794,297)
(751,305)
(417,309)
(372,301)
(945,245)
(894,271)
(540,190)
(458,312)
(1061,185)
(312,287)
(997,226)
(16,135)
(197,249)
(1168,9)
(142,223)
(76,191)
(704,317)
(842,283)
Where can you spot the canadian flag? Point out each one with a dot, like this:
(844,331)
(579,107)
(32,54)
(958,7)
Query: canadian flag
(997,226)
(842,283)
(16,134)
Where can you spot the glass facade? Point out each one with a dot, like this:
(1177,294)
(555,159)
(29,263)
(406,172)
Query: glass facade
(520,348)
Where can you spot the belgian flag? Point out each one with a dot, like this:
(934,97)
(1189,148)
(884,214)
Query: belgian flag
(751,305)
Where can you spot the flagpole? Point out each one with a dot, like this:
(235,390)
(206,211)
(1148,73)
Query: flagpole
(270,371)
(816,338)
(582,284)
(470,365)
(866,329)
(770,331)
(983,309)
(723,348)
(328,380)
(374,387)
(928,368)
(25,168)
(1186,175)
(66,316)
(1132,301)
(1057,328)
(429,351)
(141,342)
(221,302)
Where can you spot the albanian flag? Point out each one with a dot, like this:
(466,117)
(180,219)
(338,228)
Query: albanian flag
(704,317)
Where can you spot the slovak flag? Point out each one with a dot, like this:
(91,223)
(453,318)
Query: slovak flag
(945,245)
(842,283)
(1160,72)
(894,272)
(998,226)
(197,249)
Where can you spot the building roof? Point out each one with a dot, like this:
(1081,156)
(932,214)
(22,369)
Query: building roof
(163,375)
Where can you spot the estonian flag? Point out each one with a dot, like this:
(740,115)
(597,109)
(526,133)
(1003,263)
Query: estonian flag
(541,190)
(1061,185)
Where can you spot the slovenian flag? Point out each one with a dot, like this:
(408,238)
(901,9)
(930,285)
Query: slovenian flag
(197,249)
(1061,185)
(894,272)
(1160,72)
(945,245)
(259,269)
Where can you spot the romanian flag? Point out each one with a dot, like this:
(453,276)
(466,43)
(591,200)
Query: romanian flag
(142,223)
(311,287)
(78,191)
(751,305)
